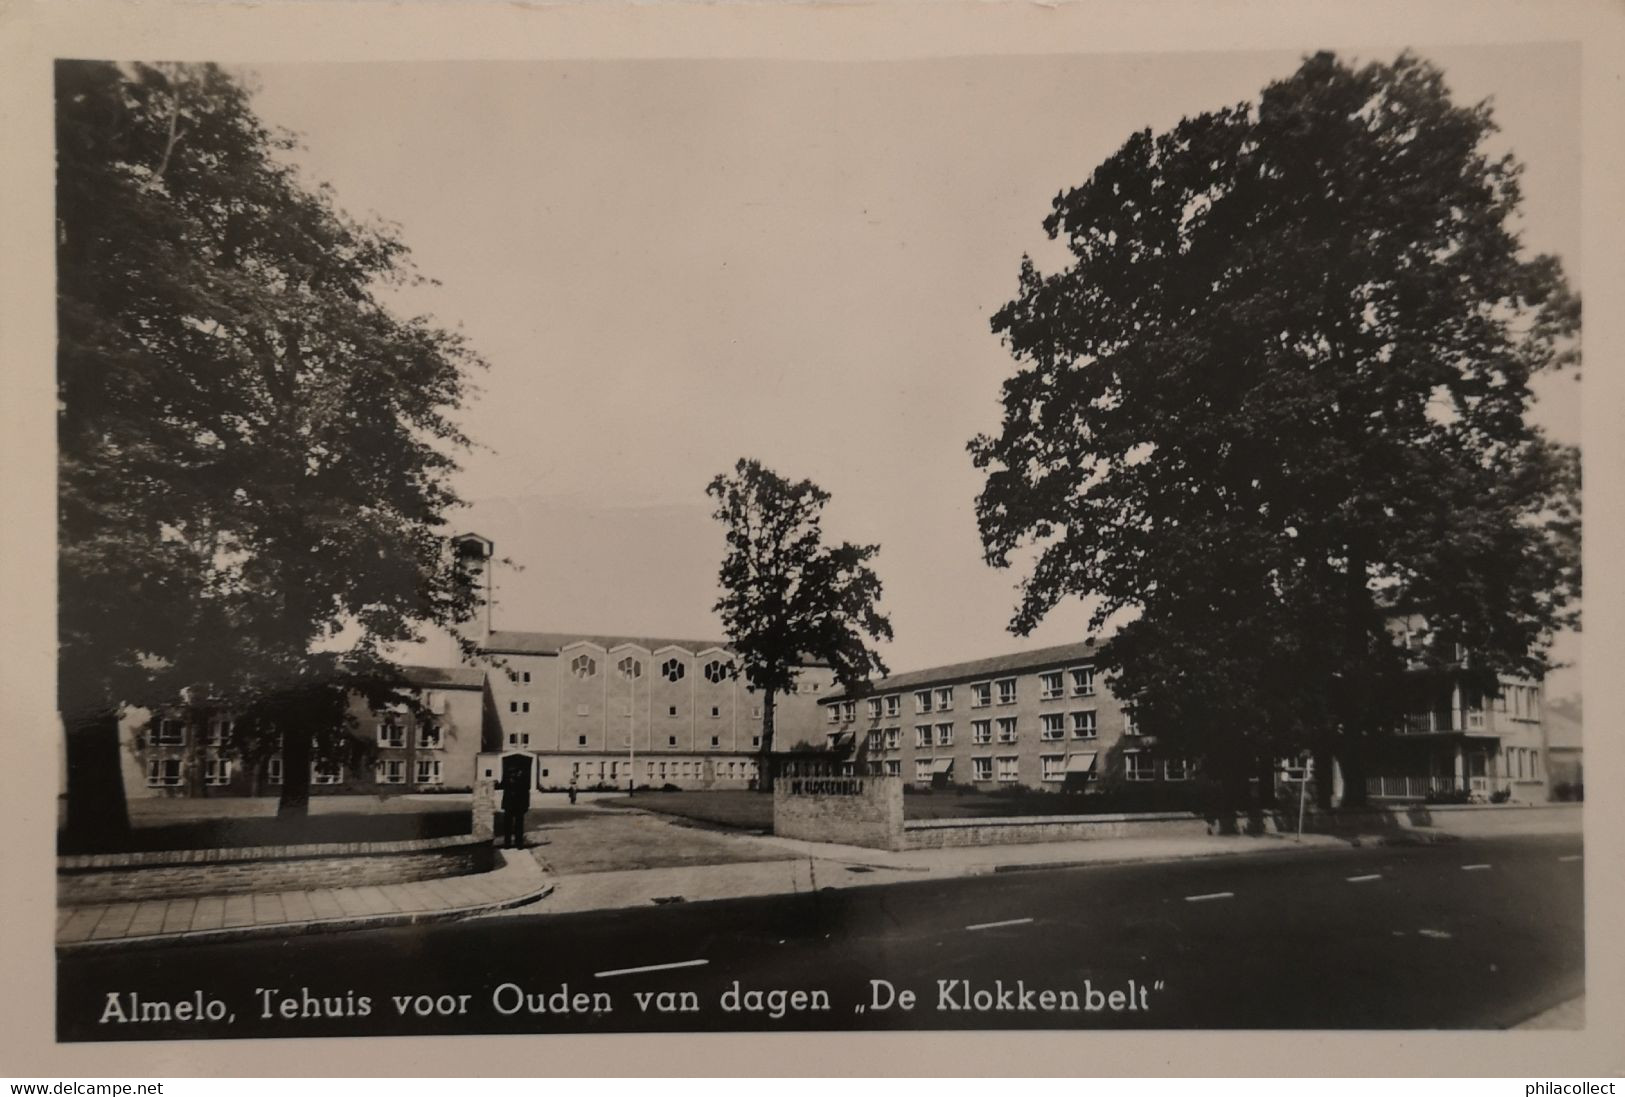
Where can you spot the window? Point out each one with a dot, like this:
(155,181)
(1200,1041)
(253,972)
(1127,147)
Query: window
(671,710)
(1007,729)
(945,698)
(219,731)
(429,771)
(849,710)
(922,769)
(217,771)
(981,731)
(1083,681)
(1176,769)
(1084,725)
(945,735)
(834,714)
(1128,724)
(522,738)
(391,771)
(1054,726)
(429,737)
(716,741)
(981,694)
(581,740)
(1049,685)
(524,676)
(716,712)
(1052,767)
(894,705)
(1007,768)
(922,735)
(922,701)
(874,708)
(894,767)
(672,670)
(1007,691)
(755,740)
(392,732)
(273,770)
(718,671)
(1139,766)
(630,668)
(873,740)
(894,738)
(326,773)
(169,733)
(584,666)
(164,773)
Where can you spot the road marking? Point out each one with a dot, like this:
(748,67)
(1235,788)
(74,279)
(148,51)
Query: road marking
(1436,933)
(1363,879)
(996,925)
(648,967)
(1472,868)
(1210,895)
(1571,857)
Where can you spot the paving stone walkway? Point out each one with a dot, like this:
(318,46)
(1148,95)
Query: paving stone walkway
(226,917)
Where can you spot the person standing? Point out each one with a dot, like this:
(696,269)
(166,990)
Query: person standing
(515,802)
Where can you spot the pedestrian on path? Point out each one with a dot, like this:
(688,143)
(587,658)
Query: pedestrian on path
(572,788)
(515,802)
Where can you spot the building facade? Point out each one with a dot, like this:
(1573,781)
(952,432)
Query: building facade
(1038,719)
(614,710)
(190,750)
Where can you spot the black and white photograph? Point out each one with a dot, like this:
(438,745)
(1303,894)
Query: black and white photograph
(1044,541)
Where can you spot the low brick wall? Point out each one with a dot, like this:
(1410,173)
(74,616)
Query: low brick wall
(1474,819)
(855,811)
(942,833)
(173,874)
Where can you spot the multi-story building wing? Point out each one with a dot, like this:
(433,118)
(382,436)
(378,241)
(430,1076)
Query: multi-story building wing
(617,709)
(190,750)
(1041,719)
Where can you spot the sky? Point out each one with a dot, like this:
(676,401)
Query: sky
(670,265)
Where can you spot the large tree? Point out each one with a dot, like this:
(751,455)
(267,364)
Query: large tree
(254,449)
(786,596)
(1281,387)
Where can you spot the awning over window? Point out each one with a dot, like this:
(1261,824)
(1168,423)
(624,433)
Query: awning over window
(1082,763)
(942,765)
(841,740)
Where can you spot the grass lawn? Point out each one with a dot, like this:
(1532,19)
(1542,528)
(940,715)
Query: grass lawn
(746,810)
(612,841)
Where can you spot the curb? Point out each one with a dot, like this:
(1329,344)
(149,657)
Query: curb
(298,929)
(1168,858)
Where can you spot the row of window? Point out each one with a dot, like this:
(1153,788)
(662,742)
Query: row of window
(522,739)
(392,733)
(171,773)
(1053,685)
(672,670)
(611,770)
(1137,766)
(1083,724)
(623,709)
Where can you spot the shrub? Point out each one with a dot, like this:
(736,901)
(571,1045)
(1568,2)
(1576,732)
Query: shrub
(1500,796)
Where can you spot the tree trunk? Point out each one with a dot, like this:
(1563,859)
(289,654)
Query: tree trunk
(764,765)
(295,800)
(97,812)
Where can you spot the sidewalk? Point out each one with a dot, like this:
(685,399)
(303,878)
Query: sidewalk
(819,866)
(210,918)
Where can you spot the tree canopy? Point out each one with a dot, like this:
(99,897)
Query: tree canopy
(255,450)
(1279,390)
(786,596)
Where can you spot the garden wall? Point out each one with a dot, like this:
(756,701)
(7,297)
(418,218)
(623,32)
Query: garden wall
(854,811)
(942,833)
(170,874)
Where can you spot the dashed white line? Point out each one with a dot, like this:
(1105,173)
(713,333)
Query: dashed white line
(1363,879)
(1439,934)
(648,967)
(1210,895)
(996,925)
(1473,868)
(1571,857)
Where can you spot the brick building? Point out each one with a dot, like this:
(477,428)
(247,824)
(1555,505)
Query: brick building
(187,750)
(1040,719)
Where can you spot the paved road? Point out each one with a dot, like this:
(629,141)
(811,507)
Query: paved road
(1464,935)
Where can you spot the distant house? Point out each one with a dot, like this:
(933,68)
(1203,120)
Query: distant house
(1566,760)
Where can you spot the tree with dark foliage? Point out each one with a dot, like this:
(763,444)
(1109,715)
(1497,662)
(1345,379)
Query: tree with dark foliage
(1282,387)
(786,596)
(254,450)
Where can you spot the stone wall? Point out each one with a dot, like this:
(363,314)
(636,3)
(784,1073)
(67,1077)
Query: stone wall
(484,809)
(169,874)
(943,833)
(855,811)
